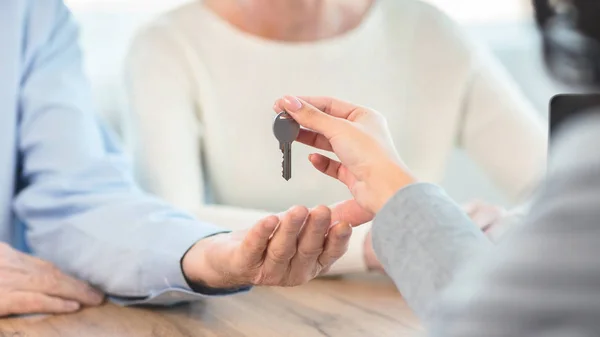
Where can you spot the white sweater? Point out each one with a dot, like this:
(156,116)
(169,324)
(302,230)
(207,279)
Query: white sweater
(202,91)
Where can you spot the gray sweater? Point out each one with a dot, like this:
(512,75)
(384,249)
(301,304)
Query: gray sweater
(543,280)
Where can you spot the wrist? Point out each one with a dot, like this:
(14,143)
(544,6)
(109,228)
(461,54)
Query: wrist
(387,182)
(199,267)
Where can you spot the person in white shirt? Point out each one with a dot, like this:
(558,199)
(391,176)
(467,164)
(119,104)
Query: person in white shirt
(202,79)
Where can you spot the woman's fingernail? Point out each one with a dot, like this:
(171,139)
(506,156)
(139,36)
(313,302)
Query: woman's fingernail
(292,104)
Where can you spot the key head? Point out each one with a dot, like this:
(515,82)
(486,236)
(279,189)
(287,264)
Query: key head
(285,128)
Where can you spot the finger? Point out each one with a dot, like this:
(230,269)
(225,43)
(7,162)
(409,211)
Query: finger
(332,168)
(314,139)
(256,241)
(312,118)
(336,244)
(282,246)
(46,278)
(331,106)
(351,212)
(19,303)
(304,265)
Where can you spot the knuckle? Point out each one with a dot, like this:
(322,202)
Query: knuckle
(299,211)
(49,280)
(280,256)
(321,213)
(309,254)
(322,210)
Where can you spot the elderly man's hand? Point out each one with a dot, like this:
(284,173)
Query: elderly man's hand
(285,251)
(29,285)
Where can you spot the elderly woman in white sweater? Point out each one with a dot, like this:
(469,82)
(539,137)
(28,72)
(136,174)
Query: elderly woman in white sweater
(203,78)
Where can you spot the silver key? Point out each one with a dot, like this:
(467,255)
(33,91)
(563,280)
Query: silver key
(286,130)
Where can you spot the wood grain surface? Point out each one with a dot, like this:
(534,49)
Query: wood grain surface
(363,305)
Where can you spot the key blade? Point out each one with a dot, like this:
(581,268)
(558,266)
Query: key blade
(287,161)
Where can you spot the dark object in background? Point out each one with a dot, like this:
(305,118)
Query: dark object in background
(565,106)
(571,35)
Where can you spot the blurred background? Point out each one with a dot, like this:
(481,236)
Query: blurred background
(505,26)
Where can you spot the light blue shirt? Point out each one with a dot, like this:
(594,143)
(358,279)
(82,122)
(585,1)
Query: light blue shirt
(64,177)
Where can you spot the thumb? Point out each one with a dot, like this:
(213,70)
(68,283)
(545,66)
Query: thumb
(310,117)
(351,212)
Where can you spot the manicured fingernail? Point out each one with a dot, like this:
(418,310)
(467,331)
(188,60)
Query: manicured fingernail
(292,104)
(72,306)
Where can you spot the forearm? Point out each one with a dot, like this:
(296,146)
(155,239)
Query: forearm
(423,239)
(105,231)
(81,207)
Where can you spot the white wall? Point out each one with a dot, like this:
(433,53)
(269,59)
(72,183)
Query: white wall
(517,45)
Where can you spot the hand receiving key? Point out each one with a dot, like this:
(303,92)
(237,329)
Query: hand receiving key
(286,130)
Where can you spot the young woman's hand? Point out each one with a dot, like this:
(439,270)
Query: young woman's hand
(368,162)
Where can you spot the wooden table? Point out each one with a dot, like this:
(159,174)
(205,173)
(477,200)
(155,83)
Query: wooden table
(352,306)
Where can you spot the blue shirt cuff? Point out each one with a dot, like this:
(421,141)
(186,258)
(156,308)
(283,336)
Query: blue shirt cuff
(179,289)
(173,296)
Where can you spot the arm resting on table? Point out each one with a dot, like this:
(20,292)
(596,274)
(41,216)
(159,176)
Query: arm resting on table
(82,209)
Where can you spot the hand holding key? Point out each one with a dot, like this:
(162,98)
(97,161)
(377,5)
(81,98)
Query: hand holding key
(370,166)
(286,131)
